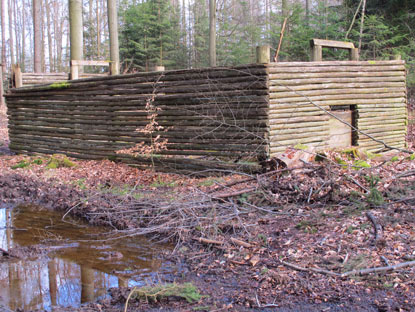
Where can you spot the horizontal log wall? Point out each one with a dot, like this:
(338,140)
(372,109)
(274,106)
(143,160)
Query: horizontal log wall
(300,93)
(29,79)
(206,116)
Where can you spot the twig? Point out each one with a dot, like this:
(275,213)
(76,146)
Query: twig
(405,174)
(377,227)
(236,193)
(385,260)
(315,270)
(353,272)
(209,241)
(261,306)
(357,183)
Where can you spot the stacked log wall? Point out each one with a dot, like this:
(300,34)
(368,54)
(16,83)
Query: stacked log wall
(208,117)
(302,94)
(29,79)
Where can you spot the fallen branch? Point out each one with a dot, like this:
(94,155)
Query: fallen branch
(236,193)
(240,243)
(209,241)
(377,227)
(353,272)
(406,174)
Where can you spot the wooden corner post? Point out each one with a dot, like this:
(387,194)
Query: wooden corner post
(263,54)
(17,76)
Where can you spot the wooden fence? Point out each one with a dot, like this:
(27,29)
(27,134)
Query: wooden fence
(206,116)
(223,118)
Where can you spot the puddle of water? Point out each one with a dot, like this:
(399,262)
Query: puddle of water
(75,271)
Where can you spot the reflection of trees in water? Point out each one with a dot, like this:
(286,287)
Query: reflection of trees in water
(42,284)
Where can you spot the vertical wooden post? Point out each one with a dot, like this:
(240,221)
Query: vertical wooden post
(113,32)
(76,33)
(354,54)
(18,79)
(74,71)
(316,53)
(263,54)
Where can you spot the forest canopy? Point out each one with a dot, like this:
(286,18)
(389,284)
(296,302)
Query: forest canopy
(175,33)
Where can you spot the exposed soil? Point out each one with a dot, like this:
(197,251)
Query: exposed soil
(250,244)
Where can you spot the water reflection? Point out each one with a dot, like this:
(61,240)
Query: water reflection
(76,272)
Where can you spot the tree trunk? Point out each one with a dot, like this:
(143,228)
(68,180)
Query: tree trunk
(113,31)
(11,42)
(307,11)
(212,33)
(37,36)
(3,35)
(23,60)
(42,23)
(361,24)
(76,29)
(50,44)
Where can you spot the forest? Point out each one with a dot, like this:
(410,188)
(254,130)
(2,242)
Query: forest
(175,33)
(210,188)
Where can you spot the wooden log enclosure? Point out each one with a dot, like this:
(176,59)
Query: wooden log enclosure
(214,118)
(207,117)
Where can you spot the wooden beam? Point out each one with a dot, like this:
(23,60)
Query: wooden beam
(331,44)
(89,63)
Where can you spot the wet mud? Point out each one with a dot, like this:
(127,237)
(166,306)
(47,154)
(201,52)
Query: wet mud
(50,263)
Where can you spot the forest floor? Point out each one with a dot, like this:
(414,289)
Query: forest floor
(305,237)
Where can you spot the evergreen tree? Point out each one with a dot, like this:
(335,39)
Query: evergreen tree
(149,35)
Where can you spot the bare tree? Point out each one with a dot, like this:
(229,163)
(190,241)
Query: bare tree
(37,31)
(11,44)
(212,33)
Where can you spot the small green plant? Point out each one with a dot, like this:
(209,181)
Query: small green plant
(373,180)
(155,293)
(21,164)
(263,239)
(37,161)
(358,164)
(81,183)
(301,147)
(59,161)
(375,197)
(159,182)
(394,159)
(307,226)
(341,162)
(350,229)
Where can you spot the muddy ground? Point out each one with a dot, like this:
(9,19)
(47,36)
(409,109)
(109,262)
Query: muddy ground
(270,242)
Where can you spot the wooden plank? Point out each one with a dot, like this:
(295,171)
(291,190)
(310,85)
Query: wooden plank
(332,44)
(89,63)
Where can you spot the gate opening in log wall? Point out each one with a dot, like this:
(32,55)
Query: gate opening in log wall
(340,133)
